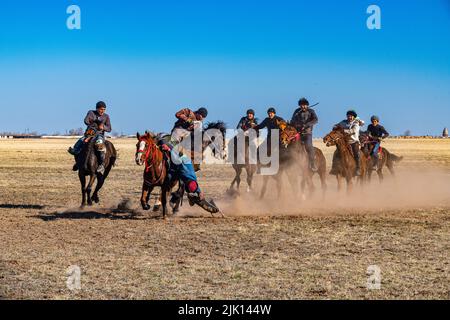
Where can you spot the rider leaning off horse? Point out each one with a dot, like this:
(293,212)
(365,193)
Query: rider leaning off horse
(304,119)
(377,133)
(181,167)
(97,122)
(352,126)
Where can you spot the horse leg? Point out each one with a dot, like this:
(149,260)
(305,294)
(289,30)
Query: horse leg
(250,172)
(145,196)
(380,175)
(82,178)
(164,201)
(264,187)
(89,189)
(323,182)
(100,182)
(237,178)
(349,184)
(339,182)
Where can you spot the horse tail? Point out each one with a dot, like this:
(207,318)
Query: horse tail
(394,158)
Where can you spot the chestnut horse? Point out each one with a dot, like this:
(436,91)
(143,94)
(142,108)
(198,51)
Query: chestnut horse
(347,164)
(156,170)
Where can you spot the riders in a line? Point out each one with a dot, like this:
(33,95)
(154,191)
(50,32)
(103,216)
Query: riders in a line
(187,122)
(377,133)
(352,126)
(304,119)
(97,122)
(248,121)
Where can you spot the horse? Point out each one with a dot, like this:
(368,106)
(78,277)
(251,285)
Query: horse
(346,165)
(156,170)
(289,134)
(385,158)
(249,167)
(294,161)
(87,166)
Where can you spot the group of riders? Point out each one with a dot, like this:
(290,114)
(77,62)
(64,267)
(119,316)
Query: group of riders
(303,119)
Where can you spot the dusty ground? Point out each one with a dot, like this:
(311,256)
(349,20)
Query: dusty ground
(318,250)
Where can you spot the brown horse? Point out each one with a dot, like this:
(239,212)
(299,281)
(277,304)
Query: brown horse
(347,165)
(287,135)
(293,160)
(385,157)
(156,170)
(244,163)
(87,166)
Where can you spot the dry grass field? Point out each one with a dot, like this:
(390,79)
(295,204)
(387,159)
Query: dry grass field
(318,249)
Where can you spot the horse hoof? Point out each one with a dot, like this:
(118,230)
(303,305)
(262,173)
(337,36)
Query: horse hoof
(146,207)
(156,208)
(96,199)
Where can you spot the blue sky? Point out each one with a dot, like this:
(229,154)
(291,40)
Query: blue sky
(147,59)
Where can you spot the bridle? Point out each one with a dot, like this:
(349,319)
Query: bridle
(150,158)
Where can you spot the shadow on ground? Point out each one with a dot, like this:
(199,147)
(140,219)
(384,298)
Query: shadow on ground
(21,206)
(91,214)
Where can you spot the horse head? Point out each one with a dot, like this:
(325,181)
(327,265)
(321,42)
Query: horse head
(143,145)
(214,135)
(334,136)
(288,133)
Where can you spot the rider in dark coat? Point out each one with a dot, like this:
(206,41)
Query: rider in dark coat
(99,122)
(304,119)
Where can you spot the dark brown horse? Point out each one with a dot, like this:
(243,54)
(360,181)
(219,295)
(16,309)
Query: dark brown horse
(242,161)
(87,166)
(346,166)
(156,170)
(385,158)
(293,160)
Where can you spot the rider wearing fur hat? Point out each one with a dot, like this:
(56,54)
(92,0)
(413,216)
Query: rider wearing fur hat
(304,119)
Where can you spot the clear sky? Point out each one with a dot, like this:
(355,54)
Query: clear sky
(147,59)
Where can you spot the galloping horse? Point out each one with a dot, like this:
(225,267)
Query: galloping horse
(156,170)
(250,167)
(87,166)
(347,165)
(385,157)
(287,135)
(294,161)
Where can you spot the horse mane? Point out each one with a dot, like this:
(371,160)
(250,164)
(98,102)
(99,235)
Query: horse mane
(219,125)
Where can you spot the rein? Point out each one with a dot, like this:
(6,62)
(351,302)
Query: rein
(150,161)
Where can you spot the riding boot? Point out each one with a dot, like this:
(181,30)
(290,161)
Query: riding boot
(101,161)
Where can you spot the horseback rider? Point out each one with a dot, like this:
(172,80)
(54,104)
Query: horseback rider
(271,123)
(352,126)
(248,121)
(187,122)
(181,168)
(97,122)
(377,133)
(304,119)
